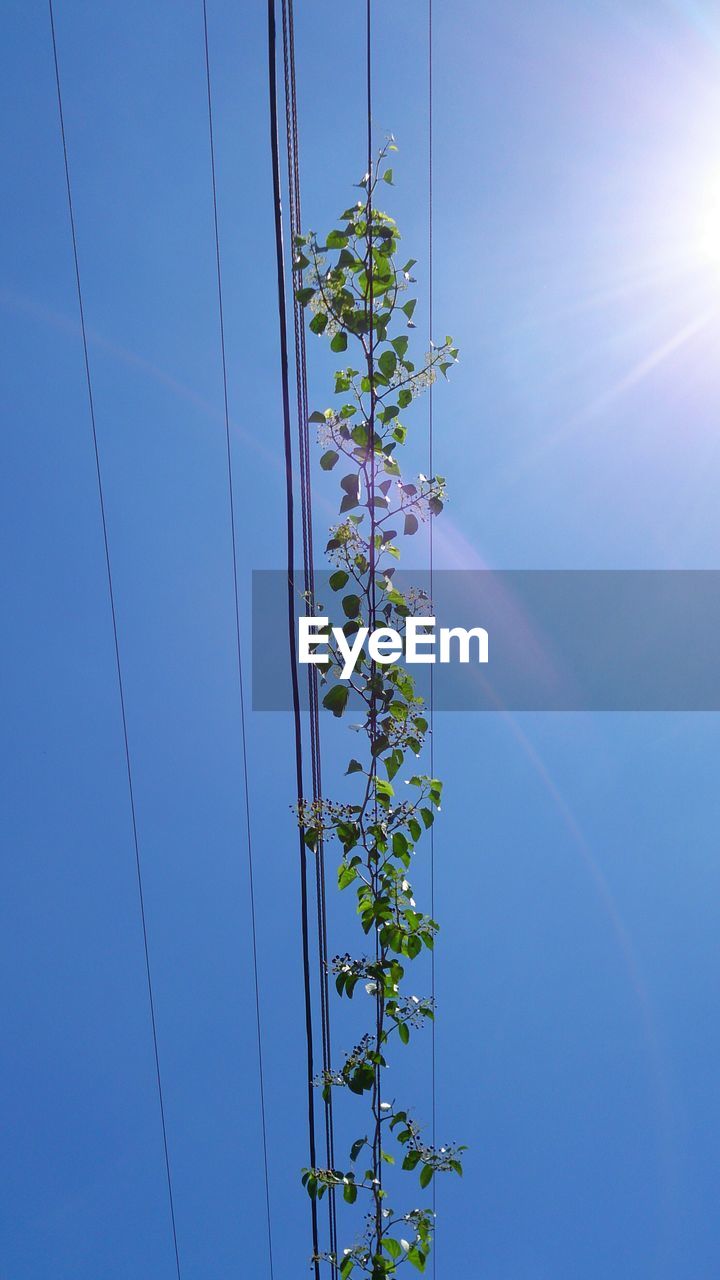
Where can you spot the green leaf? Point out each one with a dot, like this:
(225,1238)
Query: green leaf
(350,1192)
(354,767)
(347,833)
(400,345)
(388,363)
(393,762)
(350,485)
(351,606)
(388,177)
(319,322)
(338,579)
(426,1175)
(335,699)
(346,875)
(339,342)
(403,1032)
(328,460)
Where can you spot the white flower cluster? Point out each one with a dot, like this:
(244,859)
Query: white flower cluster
(321,300)
(418,503)
(326,431)
(318,307)
(417,382)
(351,541)
(418,601)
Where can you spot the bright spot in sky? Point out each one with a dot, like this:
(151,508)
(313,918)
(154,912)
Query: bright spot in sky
(708,222)
(671,214)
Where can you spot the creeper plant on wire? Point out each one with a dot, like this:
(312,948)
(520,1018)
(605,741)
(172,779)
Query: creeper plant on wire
(359,298)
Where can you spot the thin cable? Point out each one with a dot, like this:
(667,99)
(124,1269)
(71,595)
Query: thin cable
(432,669)
(287,441)
(307,528)
(293,166)
(238,646)
(111,593)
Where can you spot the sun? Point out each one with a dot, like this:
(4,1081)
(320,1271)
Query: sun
(707,236)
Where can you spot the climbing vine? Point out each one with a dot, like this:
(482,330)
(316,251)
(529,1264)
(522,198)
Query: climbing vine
(360,299)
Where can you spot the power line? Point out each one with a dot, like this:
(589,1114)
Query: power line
(431,717)
(287,442)
(238,642)
(293,165)
(111,592)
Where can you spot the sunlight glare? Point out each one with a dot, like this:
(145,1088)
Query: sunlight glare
(707,240)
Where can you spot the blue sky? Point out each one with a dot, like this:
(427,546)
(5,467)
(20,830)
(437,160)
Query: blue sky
(577,261)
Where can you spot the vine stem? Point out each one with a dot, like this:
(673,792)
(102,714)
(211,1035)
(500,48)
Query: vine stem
(383,833)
